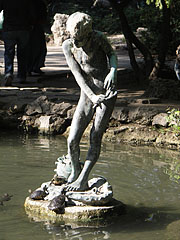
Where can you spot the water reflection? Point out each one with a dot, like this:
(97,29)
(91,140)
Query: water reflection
(133,225)
(69,232)
(138,175)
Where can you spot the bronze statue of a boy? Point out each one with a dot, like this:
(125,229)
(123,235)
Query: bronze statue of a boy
(94,65)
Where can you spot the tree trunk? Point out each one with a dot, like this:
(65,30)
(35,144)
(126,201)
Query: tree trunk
(163,42)
(138,72)
(132,39)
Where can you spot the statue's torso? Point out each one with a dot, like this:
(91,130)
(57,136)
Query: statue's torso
(94,61)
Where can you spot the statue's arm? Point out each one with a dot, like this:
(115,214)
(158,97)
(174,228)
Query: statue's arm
(77,72)
(111,78)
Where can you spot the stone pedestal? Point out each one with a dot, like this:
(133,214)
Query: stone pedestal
(54,202)
(38,211)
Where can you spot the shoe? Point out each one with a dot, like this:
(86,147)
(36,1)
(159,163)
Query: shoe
(37,72)
(7,80)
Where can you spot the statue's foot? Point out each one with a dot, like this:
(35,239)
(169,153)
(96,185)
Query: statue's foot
(77,186)
(74,175)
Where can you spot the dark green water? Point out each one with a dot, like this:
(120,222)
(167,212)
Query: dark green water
(138,176)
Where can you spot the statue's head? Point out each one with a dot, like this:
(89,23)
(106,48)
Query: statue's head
(79,25)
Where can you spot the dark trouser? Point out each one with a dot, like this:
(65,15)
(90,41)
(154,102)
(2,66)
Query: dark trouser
(37,49)
(11,39)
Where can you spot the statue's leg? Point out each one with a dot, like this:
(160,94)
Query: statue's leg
(81,119)
(103,115)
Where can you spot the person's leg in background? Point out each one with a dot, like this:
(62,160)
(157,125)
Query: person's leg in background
(22,54)
(9,39)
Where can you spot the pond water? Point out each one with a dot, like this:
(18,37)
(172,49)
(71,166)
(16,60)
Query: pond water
(140,177)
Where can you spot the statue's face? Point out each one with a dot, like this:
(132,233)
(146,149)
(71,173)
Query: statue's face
(80,39)
(80,34)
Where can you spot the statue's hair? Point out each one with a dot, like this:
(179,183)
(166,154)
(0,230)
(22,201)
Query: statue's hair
(79,22)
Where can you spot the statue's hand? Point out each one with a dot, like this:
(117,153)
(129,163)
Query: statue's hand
(98,99)
(110,80)
(110,94)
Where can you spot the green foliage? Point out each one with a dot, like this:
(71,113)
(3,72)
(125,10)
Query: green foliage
(134,17)
(158,3)
(150,17)
(173,119)
(175,25)
(104,19)
(147,16)
(153,36)
(109,21)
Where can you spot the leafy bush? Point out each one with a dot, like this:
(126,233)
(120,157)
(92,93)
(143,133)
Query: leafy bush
(150,17)
(104,19)
(173,118)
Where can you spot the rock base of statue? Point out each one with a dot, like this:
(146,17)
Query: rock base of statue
(38,210)
(51,203)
